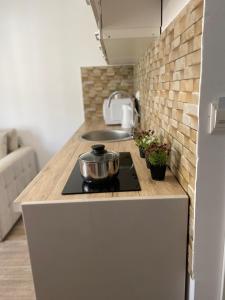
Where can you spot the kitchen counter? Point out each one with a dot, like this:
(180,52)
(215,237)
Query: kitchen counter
(49,183)
(123,245)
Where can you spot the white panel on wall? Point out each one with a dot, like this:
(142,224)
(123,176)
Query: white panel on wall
(210,188)
(171,9)
(43,45)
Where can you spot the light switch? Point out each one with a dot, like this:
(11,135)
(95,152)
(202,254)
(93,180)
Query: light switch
(217,116)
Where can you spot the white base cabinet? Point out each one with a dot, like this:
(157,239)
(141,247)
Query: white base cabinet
(108,250)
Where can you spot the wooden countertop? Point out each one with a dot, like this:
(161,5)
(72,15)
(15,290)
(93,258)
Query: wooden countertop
(47,186)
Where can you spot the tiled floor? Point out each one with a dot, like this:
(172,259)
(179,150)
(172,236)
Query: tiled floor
(15,272)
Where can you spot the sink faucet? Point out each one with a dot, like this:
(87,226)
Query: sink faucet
(118,94)
(136,115)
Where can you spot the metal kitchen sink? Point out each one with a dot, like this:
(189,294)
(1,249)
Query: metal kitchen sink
(107,135)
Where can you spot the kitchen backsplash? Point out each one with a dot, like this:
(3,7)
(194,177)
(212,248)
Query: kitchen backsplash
(99,82)
(168,79)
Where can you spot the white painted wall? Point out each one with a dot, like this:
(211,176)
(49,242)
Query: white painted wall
(210,189)
(43,45)
(171,8)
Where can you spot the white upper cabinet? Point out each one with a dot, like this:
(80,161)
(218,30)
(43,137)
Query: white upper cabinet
(126,27)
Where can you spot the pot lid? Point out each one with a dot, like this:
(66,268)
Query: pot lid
(98,154)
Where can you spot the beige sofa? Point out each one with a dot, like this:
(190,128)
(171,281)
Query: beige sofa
(17,169)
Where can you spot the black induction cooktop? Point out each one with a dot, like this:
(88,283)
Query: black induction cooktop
(126,180)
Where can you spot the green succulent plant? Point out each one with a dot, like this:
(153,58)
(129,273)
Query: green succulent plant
(157,154)
(144,139)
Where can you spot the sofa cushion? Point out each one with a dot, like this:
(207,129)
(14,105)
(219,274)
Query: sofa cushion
(3,144)
(12,139)
(17,169)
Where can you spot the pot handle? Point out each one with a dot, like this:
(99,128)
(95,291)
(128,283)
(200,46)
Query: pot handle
(98,149)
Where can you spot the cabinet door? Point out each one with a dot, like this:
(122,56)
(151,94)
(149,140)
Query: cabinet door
(131,249)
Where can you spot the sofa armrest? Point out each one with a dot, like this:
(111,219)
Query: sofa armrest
(17,169)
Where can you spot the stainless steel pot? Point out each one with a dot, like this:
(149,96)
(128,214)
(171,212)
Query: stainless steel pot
(99,165)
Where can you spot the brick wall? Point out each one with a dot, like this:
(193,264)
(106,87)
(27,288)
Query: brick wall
(168,79)
(99,82)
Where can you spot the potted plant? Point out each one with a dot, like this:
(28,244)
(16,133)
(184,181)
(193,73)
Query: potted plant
(148,150)
(157,156)
(143,139)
